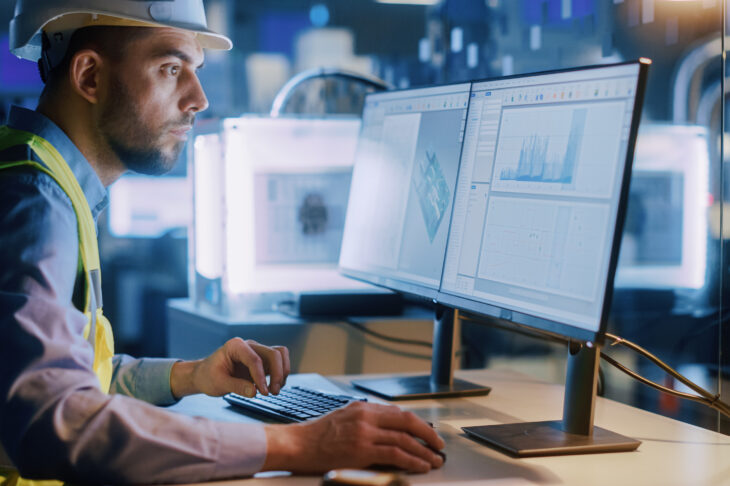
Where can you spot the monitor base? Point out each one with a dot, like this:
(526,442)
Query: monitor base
(529,439)
(416,387)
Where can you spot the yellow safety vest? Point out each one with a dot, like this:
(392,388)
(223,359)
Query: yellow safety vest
(98,330)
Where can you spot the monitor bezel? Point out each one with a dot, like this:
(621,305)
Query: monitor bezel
(419,291)
(541,323)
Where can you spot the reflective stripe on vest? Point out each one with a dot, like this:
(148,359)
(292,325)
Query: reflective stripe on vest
(98,330)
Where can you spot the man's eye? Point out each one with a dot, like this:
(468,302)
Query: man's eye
(173,70)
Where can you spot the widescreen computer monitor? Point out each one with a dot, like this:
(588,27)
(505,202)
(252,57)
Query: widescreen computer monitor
(399,209)
(524,226)
(534,238)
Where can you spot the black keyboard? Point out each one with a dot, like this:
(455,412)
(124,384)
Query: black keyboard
(292,404)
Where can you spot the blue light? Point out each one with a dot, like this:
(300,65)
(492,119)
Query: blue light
(17,76)
(319,14)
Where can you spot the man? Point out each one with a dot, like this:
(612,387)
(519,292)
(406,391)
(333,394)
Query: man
(121,94)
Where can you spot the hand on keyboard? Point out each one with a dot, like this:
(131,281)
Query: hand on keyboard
(293,404)
(239,366)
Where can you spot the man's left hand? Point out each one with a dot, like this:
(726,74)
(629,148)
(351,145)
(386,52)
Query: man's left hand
(238,366)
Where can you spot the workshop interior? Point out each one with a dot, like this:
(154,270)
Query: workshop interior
(245,233)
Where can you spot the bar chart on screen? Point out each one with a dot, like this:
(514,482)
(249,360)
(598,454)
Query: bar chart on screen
(538,164)
(575,154)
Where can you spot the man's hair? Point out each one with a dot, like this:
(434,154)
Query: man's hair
(109,41)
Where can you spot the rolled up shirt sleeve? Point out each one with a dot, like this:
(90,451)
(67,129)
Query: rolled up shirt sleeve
(146,379)
(55,422)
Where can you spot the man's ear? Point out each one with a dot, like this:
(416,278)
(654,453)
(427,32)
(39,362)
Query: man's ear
(84,74)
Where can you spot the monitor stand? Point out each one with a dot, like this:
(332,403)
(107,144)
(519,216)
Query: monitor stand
(441,383)
(575,434)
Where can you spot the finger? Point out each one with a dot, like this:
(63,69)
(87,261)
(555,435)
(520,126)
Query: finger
(273,363)
(284,351)
(241,351)
(392,417)
(240,386)
(409,444)
(395,456)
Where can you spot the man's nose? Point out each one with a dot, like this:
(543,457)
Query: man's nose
(195,100)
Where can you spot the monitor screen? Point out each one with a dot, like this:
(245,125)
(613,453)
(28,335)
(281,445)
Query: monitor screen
(148,207)
(403,187)
(665,237)
(538,196)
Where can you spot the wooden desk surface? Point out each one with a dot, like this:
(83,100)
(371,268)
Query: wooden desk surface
(672,452)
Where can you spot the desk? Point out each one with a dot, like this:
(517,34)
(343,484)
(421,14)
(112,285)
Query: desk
(672,453)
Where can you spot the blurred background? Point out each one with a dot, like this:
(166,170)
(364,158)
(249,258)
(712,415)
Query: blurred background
(673,287)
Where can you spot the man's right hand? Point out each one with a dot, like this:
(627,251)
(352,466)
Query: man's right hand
(357,436)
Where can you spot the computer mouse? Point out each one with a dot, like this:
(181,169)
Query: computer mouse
(439,452)
(362,477)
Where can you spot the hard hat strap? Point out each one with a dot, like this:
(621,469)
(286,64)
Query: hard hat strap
(53,51)
(44,63)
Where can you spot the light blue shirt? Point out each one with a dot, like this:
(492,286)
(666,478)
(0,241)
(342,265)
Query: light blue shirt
(55,422)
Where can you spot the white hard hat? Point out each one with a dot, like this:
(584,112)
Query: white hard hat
(58,19)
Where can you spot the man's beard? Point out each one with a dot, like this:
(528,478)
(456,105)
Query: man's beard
(133,143)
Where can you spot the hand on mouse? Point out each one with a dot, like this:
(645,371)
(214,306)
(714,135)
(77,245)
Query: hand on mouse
(357,436)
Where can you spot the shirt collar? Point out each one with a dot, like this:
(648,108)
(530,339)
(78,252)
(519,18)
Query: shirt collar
(36,123)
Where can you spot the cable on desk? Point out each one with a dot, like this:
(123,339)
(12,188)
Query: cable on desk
(393,339)
(657,386)
(385,337)
(515,327)
(287,307)
(705,397)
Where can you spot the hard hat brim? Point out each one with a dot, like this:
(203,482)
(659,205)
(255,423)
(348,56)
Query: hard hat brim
(31,48)
(212,40)
(207,38)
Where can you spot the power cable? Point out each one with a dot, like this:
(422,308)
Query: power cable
(705,397)
(384,337)
(393,339)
